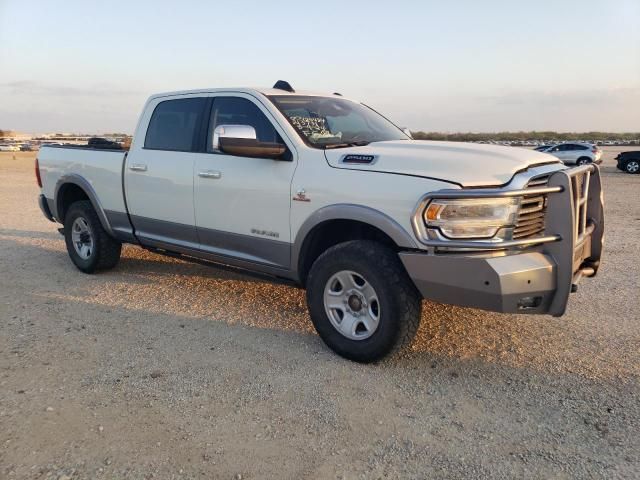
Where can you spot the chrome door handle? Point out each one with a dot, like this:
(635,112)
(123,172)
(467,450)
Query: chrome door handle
(210,174)
(138,167)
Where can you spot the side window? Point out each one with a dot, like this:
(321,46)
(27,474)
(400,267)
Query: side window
(175,124)
(240,111)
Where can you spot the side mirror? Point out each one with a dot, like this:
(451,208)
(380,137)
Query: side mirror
(250,147)
(233,131)
(407,132)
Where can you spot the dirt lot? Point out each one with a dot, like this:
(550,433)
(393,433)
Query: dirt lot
(165,369)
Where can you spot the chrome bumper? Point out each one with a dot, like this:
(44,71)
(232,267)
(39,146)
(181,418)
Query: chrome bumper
(534,275)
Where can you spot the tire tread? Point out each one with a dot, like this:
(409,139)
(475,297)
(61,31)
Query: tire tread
(108,248)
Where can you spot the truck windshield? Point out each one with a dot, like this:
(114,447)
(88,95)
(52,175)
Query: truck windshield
(327,122)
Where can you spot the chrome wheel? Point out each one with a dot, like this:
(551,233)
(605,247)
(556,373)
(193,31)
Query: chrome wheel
(582,161)
(633,166)
(352,305)
(82,238)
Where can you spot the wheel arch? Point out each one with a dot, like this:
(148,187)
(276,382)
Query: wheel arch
(335,224)
(71,188)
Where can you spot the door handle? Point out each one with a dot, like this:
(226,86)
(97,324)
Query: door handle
(210,174)
(138,167)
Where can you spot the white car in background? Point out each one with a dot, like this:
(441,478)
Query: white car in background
(576,153)
(9,148)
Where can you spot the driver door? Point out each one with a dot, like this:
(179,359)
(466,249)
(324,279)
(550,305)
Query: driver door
(242,204)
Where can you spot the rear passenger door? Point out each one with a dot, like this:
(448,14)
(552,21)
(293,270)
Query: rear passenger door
(159,172)
(571,153)
(242,204)
(559,151)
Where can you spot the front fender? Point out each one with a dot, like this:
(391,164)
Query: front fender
(359,213)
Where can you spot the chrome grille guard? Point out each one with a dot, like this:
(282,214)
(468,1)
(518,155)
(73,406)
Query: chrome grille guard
(573,232)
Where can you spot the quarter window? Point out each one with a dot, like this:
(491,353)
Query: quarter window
(174,125)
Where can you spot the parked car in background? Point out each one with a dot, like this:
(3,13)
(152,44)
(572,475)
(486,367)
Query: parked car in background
(542,148)
(103,143)
(629,161)
(26,147)
(5,147)
(576,153)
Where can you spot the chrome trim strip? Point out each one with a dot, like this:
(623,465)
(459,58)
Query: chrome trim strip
(490,193)
(479,245)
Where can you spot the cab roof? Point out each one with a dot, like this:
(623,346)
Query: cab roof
(284,90)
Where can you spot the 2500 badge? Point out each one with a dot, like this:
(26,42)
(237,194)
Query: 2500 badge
(265,233)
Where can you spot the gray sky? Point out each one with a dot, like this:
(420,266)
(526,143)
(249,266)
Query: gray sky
(438,66)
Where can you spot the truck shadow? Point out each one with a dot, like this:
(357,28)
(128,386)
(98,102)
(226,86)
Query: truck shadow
(146,283)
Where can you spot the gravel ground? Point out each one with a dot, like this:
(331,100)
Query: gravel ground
(165,369)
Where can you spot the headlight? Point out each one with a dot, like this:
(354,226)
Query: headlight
(471,217)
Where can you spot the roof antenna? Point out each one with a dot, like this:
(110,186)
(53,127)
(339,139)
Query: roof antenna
(282,85)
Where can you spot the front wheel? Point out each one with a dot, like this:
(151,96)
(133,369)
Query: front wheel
(90,247)
(362,303)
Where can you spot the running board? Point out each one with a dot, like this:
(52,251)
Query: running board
(223,266)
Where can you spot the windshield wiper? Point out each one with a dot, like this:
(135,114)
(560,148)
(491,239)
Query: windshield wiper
(359,143)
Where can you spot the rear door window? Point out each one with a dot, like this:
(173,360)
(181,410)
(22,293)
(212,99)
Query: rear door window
(175,125)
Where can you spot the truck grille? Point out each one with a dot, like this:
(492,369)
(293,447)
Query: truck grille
(530,220)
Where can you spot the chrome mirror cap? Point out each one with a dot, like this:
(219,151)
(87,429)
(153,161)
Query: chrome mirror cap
(231,131)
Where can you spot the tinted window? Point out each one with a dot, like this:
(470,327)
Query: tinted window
(174,125)
(240,111)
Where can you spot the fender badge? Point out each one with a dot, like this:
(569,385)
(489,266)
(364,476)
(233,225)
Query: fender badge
(301,196)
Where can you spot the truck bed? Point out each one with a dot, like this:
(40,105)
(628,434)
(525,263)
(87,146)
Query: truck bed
(100,167)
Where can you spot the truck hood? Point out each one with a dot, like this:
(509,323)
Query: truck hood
(467,164)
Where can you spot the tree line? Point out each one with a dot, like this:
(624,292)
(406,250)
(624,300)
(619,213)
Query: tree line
(523,136)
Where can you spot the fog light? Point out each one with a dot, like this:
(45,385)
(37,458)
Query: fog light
(526,303)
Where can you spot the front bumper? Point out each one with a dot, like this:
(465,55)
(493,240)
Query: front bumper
(533,278)
(512,283)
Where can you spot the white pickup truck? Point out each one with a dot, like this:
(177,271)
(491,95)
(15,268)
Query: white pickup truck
(327,193)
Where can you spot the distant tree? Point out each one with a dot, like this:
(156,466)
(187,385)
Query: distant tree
(522,136)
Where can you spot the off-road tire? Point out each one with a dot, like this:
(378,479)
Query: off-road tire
(106,249)
(400,301)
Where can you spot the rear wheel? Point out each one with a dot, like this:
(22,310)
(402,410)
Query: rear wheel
(362,303)
(89,246)
(632,166)
(583,161)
